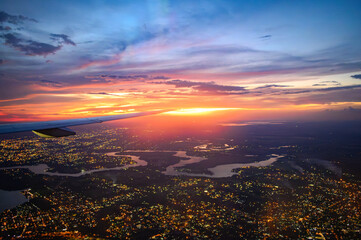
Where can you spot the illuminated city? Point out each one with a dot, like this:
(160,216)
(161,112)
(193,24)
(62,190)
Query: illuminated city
(294,197)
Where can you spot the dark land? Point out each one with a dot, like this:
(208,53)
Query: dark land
(314,191)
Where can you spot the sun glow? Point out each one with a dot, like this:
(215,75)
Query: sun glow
(197,111)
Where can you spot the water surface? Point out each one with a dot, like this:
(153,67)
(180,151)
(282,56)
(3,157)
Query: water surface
(11,199)
(223,170)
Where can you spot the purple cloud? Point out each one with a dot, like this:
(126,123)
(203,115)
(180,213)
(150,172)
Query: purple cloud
(357,76)
(4,17)
(29,47)
(130,77)
(327,83)
(49,83)
(6,28)
(62,39)
(272,86)
(319,84)
(206,87)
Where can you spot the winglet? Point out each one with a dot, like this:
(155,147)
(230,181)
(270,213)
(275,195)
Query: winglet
(56,128)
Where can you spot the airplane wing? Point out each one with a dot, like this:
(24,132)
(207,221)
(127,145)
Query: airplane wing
(58,128)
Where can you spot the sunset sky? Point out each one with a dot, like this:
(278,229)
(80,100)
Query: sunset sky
(251,59)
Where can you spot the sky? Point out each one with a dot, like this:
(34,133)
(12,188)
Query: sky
(252,59)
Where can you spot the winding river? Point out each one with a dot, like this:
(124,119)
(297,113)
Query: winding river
(42,168)
(224,170)
(220,171)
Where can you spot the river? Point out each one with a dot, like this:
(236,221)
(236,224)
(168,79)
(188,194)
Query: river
(10,199)
(42,168)
(220,171)
(224,170)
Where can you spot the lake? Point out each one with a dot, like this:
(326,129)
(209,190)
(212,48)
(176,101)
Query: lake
(11,199)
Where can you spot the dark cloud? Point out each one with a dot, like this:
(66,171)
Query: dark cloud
(212,87)
(130,77)
(327,83)
(104,93)
(7,18)
(143,77)
(332,83)
(100,93)
(335,82)
(29,47)
(181,83)
(6,28)
(337,88)
(62,39)
(270,90)
(161,77)
(25,45)
(272,86)
(49,83)
(208,87)
(266,36)
(357,76)
(85,42)
(329,89)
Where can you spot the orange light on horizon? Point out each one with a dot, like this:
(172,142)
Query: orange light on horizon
(197,111)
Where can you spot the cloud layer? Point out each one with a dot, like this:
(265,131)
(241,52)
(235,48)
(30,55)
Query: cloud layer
(99,57)
(13,38)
